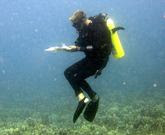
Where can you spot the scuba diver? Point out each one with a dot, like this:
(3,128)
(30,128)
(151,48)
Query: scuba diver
(95,41)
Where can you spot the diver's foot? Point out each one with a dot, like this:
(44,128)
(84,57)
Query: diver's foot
(91,109)
(80,108)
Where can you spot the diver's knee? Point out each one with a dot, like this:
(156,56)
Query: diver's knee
(67,74)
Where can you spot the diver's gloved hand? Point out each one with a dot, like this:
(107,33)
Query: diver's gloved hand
(57,48)
(52,49)
(70,48)
(98,72)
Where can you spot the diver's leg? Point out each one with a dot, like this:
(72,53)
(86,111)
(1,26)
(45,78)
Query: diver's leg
(83,73)
(70,75)
(86,87)
(92,107)
(85,70)
(76,75)
(72,82)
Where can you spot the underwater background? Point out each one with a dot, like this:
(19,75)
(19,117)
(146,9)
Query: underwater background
(35,97)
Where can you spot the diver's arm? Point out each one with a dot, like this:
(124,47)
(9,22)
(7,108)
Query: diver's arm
(79,43)
(74,48)
(87,48)
(70,48)
(54,49)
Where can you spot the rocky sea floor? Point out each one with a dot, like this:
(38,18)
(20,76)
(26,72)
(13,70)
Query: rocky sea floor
(131,113)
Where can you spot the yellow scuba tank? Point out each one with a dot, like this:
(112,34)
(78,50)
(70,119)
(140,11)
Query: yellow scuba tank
(117,51)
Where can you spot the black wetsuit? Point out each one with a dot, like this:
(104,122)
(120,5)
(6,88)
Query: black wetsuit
(98,36)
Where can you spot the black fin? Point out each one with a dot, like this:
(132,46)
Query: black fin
(79,109)
(117,28)
(91,110)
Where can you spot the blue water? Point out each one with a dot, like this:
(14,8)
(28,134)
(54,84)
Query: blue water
(29,76)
